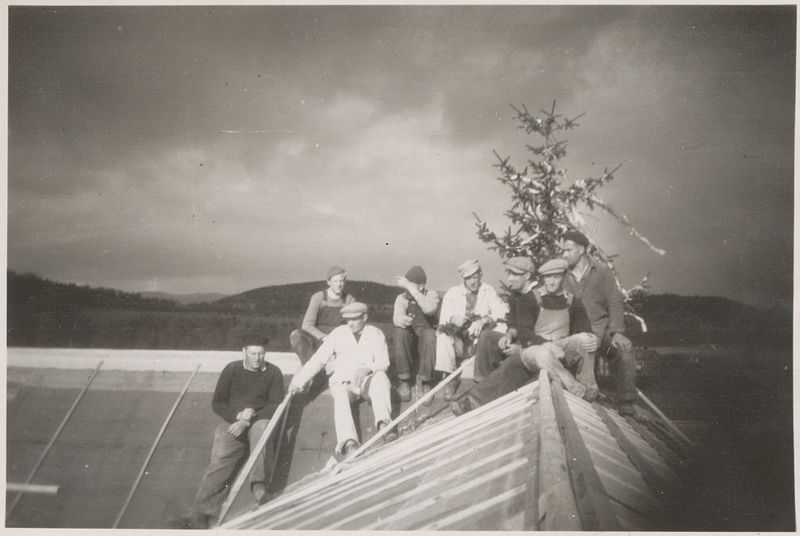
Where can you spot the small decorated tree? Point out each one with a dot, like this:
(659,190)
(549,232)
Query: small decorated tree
(543,208)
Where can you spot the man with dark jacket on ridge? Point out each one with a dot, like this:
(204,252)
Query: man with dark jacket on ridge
(248,392)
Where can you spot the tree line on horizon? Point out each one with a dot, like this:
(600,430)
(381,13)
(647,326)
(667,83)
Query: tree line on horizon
(44,313)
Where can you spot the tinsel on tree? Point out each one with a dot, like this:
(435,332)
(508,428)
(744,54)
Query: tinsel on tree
(543,207)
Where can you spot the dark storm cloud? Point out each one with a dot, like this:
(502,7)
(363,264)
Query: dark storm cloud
(221,148)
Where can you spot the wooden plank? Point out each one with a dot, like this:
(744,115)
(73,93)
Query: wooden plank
(411,409)
(52,441)
(44,489)
(244,472)
(464,519)
(385,459)
(370,491)
(657,484)
(664,418)
(531,497)
(672,459)
(557,508)
(591,497)
(423,505)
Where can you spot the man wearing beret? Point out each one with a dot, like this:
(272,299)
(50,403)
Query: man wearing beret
(596,286)
(248,392)
(467,309)
(493,346)
(322,315)
(356,358)
(562,336)
(414,321)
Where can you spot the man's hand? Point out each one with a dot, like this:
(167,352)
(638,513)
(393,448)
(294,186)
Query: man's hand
(236,429)
(621,342)
(591,344)
(295,388)
(360,375)
(476,327)
(512,349)
(458,320)
(408,320)
(246,414)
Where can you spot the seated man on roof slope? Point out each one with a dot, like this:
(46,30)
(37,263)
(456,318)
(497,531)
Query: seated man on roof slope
(322,315)
(493,346)
(414,321)
(467,309)
(562,336)
(356,358)
(248,392)
(596,286)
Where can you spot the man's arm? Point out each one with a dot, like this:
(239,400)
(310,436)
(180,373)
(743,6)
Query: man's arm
(381,355)
(448,308)
(275,394)
(310,319)
(315,364)
(578,319)
(616,306)
(222,394)
(399,316)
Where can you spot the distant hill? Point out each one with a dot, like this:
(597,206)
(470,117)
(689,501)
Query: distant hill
(293,298)
(51,314)
(185,299)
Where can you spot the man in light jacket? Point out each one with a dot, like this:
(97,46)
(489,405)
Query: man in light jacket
(356,359)
(467,309)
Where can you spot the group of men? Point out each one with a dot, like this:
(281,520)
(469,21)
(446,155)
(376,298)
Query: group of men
(559,325)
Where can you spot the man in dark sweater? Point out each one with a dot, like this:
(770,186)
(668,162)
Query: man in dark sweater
(494,346)
(562,335)
(247,394)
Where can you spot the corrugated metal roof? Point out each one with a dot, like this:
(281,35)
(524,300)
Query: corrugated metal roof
(538,458)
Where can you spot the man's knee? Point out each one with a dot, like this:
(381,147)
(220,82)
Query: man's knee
(380,380)
(296,338)
(536,357)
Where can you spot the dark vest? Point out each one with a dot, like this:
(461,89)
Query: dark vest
(329,316)
(421,320)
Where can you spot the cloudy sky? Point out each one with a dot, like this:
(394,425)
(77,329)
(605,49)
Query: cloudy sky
(208,149)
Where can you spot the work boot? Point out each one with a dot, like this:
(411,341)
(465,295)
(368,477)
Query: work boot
(404,390)
(451,388)
(349,447)
(391,435)
(426,388)
(463,405)
(591,394)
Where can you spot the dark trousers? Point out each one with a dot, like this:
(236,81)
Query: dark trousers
(404,341)
(509,376)
(303,344)
(623,370)
(488,355)
(227,453)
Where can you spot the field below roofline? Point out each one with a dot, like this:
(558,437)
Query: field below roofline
(43,313)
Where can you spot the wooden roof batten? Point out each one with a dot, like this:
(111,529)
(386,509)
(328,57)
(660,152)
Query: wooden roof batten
(538,458)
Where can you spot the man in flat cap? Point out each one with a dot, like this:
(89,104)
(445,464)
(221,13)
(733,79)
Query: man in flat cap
(356,358)
(595,284)
(467,309)
(562,336)
(322,315)
(414,320)
(493,346)
(248,392)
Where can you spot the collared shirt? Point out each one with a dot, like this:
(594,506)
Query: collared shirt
(342,355)
(601,297)
(488,303)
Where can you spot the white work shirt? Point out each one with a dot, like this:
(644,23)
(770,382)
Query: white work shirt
(341,355)
(488,303)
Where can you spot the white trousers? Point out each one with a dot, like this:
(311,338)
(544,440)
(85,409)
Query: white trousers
(344,394)
(447,349)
